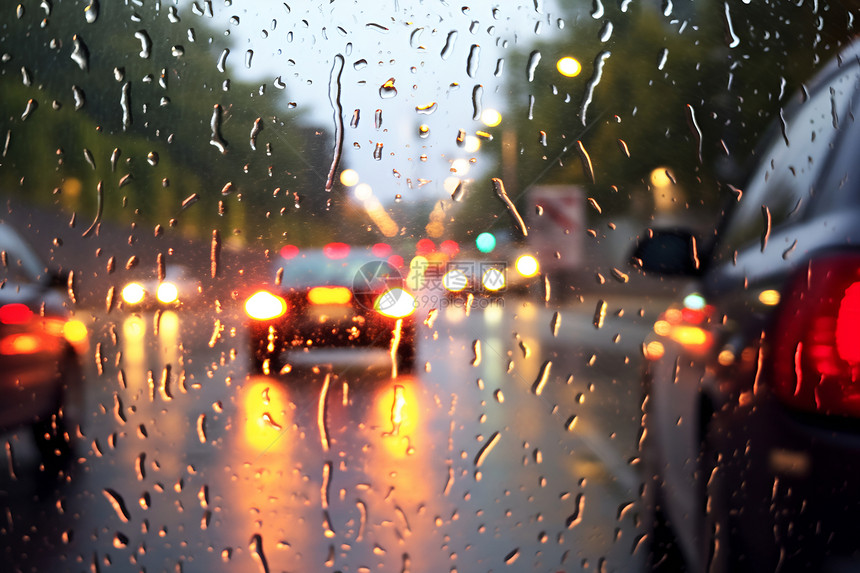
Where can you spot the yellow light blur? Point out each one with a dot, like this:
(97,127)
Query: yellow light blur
(416,279)
(263,305)
(349,177)
(20,344)
(493,279)
(329,295)
(662,327)
(397,408)
(769,297)
(568,67)
(450,184)
(395,303)
(472,144)
(167,293)
(491,117)
(266,408)
(75,332)
(689,335)
(455,280)
(133,293)
(726,357)
(527,265)
(363,192)
(660,177)
(654,350)
(674,315)
(460,166)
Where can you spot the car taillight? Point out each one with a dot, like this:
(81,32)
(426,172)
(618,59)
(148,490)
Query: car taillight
(264,305)
(816,338)
(15,313)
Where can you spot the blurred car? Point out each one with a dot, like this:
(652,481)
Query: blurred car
(752,418)
(41,346)
(177,288)
(340,295)
(516,270)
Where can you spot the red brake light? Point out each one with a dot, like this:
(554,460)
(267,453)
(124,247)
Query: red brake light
(381,250)
(425,247)
(816,340)
(449,247)
(336,250)
(289,252)
(15,313)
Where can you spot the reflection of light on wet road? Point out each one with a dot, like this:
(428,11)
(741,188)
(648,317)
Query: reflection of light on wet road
(266,413)
(134,352)
(168,336)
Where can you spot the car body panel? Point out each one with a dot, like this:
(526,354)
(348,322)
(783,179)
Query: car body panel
(744,480)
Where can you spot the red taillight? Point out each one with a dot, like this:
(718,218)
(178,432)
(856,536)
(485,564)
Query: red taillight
(336,250)
(816,339)
(15,313)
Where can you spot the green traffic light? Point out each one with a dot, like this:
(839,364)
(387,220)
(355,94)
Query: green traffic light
(485,242)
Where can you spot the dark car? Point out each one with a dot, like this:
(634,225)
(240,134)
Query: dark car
(752,418)
(41,346)
(338,296)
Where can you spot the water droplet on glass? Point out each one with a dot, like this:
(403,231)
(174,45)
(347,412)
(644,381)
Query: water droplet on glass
(80,53)
(255,131)
(458,193)
(542,378)
(531,66)
(476,352)
(125,104)
(387,90)
(473,60)
(256,548)
(145,43)
(477,106)
(605,32)
(449,45)
(215,124)
(172,15)
(499,188)
(249,56)
(79,97)
(377,152)
(765,233)
(152,158)
(222,60)
(555,323)
(118,504)
(599,314)
(377,119)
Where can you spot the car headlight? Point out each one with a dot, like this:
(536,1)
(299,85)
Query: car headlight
(455,280)
(493,279)
(395,303)
(527,265)
(263,305)
(167,293)
(133,293)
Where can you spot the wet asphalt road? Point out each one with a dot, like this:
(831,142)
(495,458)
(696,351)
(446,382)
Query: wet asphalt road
(512,448)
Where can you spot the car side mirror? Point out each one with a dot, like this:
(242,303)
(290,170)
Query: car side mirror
(668,252)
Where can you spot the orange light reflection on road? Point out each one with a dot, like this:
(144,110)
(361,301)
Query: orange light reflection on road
(266,410)
(397,410)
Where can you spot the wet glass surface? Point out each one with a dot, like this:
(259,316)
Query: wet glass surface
(168,160)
